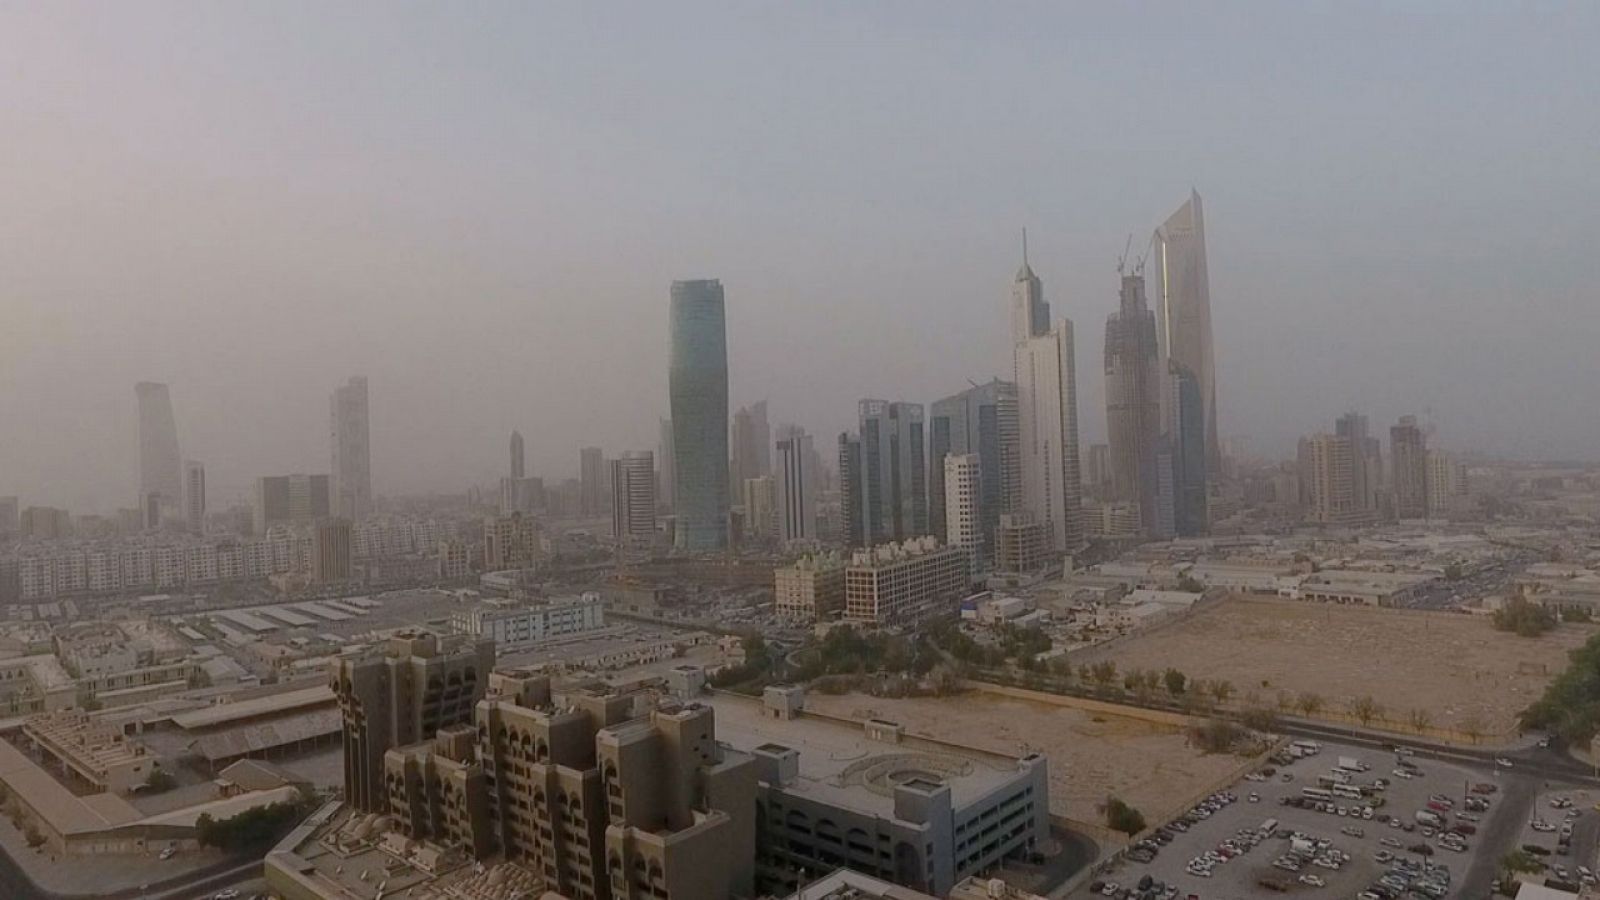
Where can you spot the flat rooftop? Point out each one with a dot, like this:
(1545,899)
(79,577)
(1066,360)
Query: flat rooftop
(841,766)
(224,713)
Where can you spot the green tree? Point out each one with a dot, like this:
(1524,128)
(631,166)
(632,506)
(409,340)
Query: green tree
(1176,681)
(1524,617)
(1520,861)
(160,781)
(1123,818)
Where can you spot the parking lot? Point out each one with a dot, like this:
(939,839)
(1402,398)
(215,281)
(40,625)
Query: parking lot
(1265,841)
(1560,832)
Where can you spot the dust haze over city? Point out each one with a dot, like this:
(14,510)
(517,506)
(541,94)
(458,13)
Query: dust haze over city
(697,451)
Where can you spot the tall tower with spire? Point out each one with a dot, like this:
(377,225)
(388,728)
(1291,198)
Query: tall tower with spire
(1030,314)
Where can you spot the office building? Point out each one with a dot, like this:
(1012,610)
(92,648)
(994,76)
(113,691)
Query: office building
(902,584)
(510,542)
(698,385)
(1186,449)
(890,484)
(516,625)
(10,517)
(160,466)
(1408,462)
(664,466)
(969,422)
(1445,481)
(1183,311)
(633,499)
(194,496)
(1023,545)
(1030,314)
(963,503)
(1133,403)
(518,461)
(44,523)
(1047,394)
(418,684)
(1366,461)
(332,556)
(751,443)
(760,507)
(290,499)
(351,479)
(851,513)
(455,559)
(592,476)
(811,589)
(1008,415)
(1327,479)
(797,484)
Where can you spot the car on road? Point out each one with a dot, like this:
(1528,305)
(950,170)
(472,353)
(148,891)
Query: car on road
(1502,762)
(1312,880)
(169,852)
(226,894)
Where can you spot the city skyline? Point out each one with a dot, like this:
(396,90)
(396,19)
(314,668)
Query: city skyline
(1460,260)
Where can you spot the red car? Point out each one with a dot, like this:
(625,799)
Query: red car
(1436,806)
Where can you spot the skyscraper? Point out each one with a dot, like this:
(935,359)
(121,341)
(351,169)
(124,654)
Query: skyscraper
(851,505)
(10,517)
(1187,445)
(698,384)
(1030,314)
(332,551)
(797,485)
(1183,311)
(592,478)
(664,465)
(633,499)
(517,460)
(968,422)
(1133,403)
(194,496)
(351,479)
(893,479)
(963,503)
(160,467)
(1408,455)
(290,498)
(1365,460)
(1326,488)
(1047,402)
(751,443)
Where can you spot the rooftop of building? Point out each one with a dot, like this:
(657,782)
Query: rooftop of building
(840,765)
(888,554)
(90,743)
(271,704)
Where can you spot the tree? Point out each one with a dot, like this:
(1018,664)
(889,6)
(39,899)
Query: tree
(1309,704)
(1123,818)
(1221,690)
(160,781)
(1364,709)
(1472,728)
(1420,720)
(1176,681)
(1520,861)
(1104,673)
(1524,617)
(1285,701)
(1189,584)
(1260,718)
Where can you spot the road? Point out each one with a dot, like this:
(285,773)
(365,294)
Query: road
(15,885)
(1499,833)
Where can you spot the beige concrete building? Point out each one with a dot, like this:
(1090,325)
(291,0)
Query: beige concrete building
(810,590)
(98,754)
(902,584)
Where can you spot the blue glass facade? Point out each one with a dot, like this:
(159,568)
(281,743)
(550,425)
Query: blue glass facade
(698,384)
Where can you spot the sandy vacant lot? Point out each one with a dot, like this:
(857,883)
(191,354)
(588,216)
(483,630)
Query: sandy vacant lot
(1457,667)
(1091,757)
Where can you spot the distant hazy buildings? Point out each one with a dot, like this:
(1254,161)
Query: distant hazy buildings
(1366,461)
(797,482)
(592,477)
(969,422)
(1186,444)
(351,479)
(290,499)
(1133,403)
(963,505)
(633,499)
(10,517)
(160,467)
(759,498)
(332,553)
(887,478)
(194,496)
(1183,310)
(1447,480)
(1408,455)
(751,443)
(665,460)
(1326,480)
(698,386)
(518,460)
(1047,395)
(1030,314)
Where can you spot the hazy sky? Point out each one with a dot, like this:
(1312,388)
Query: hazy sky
(480,206)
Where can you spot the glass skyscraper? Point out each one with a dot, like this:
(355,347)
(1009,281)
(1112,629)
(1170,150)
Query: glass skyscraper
(698,384)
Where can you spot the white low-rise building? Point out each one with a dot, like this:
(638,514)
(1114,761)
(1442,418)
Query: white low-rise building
(518,624)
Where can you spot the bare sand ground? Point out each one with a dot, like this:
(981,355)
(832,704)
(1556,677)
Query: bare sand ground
(1091,756)
(1457,667)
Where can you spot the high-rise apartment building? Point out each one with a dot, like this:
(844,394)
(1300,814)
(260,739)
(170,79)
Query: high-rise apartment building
(1008,416)
(194,496)
(751,443)
(351,479)
(1366,460)
(969,422)
(1408,460)
(760,496)
(1327,480)
(851,505)
(1446,479)
(902,584)
(10,517)
(665,461)
(1047,402)
(418,685)
(963,506)
(698,384)
(797,482)
(290,499)
(332,553)
(891,484)
(633,499)
(1183,311)
(592,477)
(811,589)
(160,466)
(518,461)
(510,542)
(1133,402)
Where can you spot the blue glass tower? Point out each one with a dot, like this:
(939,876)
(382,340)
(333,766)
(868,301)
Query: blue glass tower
(698,384)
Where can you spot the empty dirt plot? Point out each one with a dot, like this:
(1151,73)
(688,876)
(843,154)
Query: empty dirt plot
(1456,667)
(1092,756)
